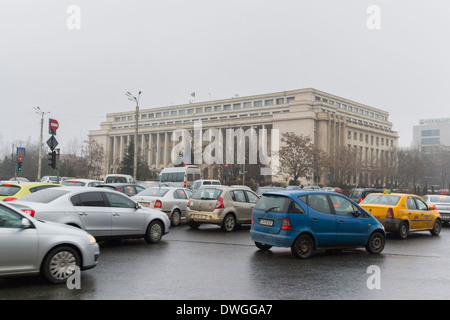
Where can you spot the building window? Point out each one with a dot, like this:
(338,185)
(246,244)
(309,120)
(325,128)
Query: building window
(227,107)
(158,115)
(430,133)
(165,113)
(173,113)
(280,101)
(290,99)
(217,108)
(268,102)
(349,135)
(430,140)
(199,110)
(247,104)
(182,112)
(190,111)
(236,106)
(208,109)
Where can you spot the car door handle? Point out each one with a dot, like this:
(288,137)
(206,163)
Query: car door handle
(115,214)
(314,220)
(82,213)
(340,222)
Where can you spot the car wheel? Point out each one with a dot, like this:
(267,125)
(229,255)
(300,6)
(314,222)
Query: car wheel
(403,230)
(263,246)
(303,246)
(376,243)
(194,224)
(229,223)
(436,228)
(58,262)
(154,232)
(175,217)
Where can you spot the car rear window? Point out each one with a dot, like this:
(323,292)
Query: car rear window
(116,180)
(72,183)
(45,196)
(153,192)
(273,203)
(386,199)
(207,194)
(8,190)
(443,199)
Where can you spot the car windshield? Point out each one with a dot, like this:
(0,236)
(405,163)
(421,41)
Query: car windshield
(207,194)
(8,190)
(153,192)
(386,199)
(115,179)
(45,196)
(271,203)
(442,199)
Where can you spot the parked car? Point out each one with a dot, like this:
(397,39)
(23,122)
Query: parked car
(129,189)
(29,246)
(328,189)
(50,179)
(312,188)
(358,194)
(310,220)
(221,205)
(148,184)
(261,190)
(13,191)
(119,178)
(205,182)
(103,213)
(441,204)
(443,191)
(170,200)
(81,182)
(402,213)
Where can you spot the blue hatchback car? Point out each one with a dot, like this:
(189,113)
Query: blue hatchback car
(309,220)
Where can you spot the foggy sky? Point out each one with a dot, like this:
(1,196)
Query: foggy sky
(215,48)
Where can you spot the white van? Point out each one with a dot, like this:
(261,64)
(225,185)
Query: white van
(184,175)
(119,178)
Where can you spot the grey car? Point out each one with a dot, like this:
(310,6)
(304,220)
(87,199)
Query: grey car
(442,204)
(103,213)
(29,246)
(170,200)
(221,205)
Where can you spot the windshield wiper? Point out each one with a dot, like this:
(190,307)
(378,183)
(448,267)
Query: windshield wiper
(270,209)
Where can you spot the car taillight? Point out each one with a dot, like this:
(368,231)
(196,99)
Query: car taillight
(219,203)
(360,199)
(390,214)
(29,212)
(188,202)
(9,199)
(158,204)
(286,224)
(184,184)
(432,207)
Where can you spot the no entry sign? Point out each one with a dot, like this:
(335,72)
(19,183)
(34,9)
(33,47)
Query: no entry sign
(53,126)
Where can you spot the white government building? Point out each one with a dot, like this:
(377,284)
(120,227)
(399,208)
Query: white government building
(331,121)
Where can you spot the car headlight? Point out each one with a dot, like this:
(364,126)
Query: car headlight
(91,239)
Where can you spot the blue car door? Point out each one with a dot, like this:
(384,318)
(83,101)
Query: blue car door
(321,220)
(352,229)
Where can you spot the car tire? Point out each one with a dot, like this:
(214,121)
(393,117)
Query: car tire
(228,223)
(57,263)
(376,242)
(262,246)
(175,217)
(437,226)
(303,247)
(403,230)
(154,233)
(194,224)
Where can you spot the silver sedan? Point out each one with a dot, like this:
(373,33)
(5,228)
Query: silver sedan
(103,213)
(442,204)
(170,200)
(30,246)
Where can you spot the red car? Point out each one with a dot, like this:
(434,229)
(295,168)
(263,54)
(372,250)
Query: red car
(443,191)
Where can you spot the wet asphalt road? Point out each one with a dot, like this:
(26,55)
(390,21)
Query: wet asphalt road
(209,264)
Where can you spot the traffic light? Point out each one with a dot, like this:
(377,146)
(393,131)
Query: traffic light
(52,159)
(19,165)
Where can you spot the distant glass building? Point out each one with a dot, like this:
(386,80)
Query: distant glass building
(431,134)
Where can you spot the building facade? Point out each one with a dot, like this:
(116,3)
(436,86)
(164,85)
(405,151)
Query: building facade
(431,135)
(332,122)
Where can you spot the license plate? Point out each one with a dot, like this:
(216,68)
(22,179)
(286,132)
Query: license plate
(266,222)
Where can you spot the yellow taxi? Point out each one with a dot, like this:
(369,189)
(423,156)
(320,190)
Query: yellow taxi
(402,213)
(14,190)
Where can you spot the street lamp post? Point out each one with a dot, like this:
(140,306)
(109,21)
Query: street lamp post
(136,99)
(42,113)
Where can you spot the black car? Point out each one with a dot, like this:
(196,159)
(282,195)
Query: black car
(128,188)
(358,194)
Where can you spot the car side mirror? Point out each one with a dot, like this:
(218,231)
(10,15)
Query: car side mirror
(356,213)
(25,223)
(137,206)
